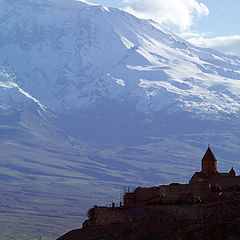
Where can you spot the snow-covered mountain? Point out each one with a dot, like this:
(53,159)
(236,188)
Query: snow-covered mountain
(92,98)
(69,55)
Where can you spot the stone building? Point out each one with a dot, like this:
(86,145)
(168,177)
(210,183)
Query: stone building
(207,185)
(210,174)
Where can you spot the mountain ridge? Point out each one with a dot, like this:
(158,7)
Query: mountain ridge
(114,56)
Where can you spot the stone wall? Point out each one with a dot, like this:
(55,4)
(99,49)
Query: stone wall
(205,191)
(225,210)
(202,191)
(175,192)
(105,215)
(129,199)
(189,212)
(199,211)
(227,181)
(168,194)
(145,195)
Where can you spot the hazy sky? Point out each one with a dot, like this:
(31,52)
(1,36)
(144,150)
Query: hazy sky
(208,23)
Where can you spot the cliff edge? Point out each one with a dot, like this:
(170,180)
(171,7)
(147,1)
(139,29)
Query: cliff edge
(206,221)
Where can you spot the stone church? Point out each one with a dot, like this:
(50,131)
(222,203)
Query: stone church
(207,185)
(209,171)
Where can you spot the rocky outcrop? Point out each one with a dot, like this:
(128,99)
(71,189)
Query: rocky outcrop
(104,215)
(208,221)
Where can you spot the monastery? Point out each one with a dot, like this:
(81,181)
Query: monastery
(208,207)
(207,185)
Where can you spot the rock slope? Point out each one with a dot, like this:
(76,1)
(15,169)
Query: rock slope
(200,222)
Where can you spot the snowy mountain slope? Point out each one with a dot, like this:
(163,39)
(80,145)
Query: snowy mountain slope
(69,55)
(14,97)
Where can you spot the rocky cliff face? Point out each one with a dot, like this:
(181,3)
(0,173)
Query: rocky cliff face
(197,222)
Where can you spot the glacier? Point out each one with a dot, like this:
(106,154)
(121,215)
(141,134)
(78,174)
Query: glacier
(86,48)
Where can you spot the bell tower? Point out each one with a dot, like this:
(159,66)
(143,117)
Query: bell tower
(209,163)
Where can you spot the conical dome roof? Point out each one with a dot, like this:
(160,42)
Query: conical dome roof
(232,172)
(209,156)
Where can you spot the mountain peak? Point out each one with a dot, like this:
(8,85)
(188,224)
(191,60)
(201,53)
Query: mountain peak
(80,54)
